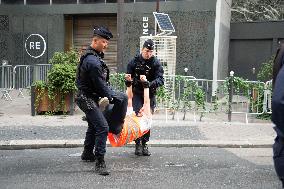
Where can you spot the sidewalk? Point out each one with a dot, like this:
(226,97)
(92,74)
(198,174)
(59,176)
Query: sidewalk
(19,130)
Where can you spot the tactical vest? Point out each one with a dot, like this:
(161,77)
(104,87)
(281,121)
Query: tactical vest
(104,66)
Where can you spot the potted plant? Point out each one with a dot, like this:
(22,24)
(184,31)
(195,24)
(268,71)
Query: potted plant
(57,94)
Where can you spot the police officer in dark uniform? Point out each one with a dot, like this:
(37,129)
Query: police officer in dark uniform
(92,83)
(144,64)
(278,113)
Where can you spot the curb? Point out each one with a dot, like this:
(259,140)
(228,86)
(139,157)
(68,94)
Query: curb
(36,144)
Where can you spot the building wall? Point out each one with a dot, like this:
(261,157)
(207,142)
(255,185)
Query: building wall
(194,24)
(251,44)
(17,22)
(194,21)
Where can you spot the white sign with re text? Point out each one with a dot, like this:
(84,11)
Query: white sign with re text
(35,45)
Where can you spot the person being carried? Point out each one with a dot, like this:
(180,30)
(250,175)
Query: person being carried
(134,126)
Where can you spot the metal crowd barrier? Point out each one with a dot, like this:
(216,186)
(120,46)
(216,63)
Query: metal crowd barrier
(250,102)
(21,77)
(254,100)
(39,72)
(6,83)
(267,101)
(179,91)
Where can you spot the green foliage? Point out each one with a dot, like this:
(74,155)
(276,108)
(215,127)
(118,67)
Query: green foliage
(266,70)
(61,76)
(67,58)
(117,81)
(256,10)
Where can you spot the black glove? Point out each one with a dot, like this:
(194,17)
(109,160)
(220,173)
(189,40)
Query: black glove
(128,83)
(145,84)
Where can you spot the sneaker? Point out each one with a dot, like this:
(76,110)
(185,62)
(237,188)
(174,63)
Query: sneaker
(145,150)
(103,103)
(138,149)
(88,155)
(101,166)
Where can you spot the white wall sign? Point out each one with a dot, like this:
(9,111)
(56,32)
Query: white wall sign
(145,26)
(35,45)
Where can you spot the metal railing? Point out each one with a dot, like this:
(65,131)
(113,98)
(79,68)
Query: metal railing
(21,77)
(185,94)
(6,83)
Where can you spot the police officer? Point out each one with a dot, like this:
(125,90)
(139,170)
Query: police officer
(144,64)
(92,82)
(278,113)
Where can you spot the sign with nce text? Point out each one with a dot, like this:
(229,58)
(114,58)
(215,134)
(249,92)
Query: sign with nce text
(145,26)
(35,45)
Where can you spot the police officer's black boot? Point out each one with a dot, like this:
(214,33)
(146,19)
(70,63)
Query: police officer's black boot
(145,150)
(101,166)
(88,155)
(138,148)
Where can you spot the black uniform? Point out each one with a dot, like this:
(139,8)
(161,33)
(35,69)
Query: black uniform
(153,70)
(278,120)
(92,83)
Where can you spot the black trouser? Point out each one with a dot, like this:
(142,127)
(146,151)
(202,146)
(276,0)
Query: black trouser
(278,157)
(137,102)
(97,131)
(115,113)
(98,125)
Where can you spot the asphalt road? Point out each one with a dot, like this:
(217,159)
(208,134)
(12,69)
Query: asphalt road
(78,132)
(195,168)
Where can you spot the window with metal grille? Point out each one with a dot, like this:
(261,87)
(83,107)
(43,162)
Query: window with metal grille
(37,2)
(91,1)
(12,1)
(64,1)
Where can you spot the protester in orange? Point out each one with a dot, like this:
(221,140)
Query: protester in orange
(134,125)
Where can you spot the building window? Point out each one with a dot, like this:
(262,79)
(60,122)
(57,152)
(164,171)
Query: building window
(91,1)
(111,1)
(146,1)
(37,2)
(12,1)
(64,1)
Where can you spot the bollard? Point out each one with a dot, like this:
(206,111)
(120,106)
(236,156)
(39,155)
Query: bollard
(33,111)
(230,90)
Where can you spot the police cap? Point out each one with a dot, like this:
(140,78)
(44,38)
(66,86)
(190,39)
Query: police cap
(103,32)
(149,44)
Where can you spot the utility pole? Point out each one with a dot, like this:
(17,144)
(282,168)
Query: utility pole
(157,5)
(120,36)
(157,10)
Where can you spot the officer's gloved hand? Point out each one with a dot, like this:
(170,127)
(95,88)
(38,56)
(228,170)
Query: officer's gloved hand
(128,81)
(145,84)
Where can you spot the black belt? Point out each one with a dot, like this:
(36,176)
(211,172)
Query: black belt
(94,96)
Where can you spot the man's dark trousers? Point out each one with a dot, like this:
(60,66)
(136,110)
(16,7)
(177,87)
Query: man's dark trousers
(98,126)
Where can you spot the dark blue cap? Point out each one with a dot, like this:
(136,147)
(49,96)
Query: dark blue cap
(103,32)
(149,44)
